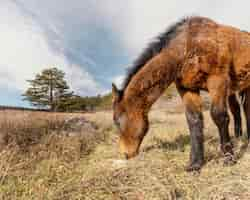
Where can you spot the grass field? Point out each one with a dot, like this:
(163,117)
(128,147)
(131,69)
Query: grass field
(43,157)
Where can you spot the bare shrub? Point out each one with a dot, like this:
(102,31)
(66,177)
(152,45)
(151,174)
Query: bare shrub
(53,130)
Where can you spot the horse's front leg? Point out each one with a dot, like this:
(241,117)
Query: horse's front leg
(235,110)
(193,106)
(246,106)
(218,90)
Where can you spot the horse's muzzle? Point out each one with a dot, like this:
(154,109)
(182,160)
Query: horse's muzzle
(126,156)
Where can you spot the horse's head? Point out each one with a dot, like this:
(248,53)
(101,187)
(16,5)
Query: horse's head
(131,122)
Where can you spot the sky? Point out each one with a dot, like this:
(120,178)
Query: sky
(92,41)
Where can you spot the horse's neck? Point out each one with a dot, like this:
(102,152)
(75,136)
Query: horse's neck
(151,81)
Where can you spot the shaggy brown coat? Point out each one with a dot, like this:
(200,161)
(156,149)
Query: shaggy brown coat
(196,54)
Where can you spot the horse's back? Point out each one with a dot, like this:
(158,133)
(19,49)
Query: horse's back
(239,48)
(218,49)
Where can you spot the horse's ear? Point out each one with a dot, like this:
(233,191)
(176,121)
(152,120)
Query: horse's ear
(116,94)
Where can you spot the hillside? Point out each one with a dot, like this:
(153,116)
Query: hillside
(74,156)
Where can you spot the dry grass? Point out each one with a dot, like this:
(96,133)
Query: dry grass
(56,166)
(39,151)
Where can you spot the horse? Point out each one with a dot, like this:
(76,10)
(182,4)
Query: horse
(196,53)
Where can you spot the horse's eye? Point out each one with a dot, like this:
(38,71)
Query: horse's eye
(120,121)
(116,122)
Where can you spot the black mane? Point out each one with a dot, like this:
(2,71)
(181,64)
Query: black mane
(153,48)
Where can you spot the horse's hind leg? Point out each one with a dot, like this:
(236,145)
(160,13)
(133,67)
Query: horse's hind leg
(246,106)
(193,105)
(218,87)
(235,110)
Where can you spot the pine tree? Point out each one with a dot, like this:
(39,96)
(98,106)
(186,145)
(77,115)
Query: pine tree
(48,90)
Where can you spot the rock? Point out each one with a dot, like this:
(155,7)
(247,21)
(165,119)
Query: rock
(77,125)
(119,163)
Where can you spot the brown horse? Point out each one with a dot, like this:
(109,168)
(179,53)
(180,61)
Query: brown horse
(196,54)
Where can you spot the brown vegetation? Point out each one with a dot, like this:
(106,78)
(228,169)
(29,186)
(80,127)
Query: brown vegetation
(37,148)
(49,157)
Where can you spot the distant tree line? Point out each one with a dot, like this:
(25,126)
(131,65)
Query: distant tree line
(49,90)
(78,103)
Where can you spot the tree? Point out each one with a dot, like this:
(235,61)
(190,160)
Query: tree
(48,90)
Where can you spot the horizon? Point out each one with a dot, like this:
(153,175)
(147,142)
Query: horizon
(93,42)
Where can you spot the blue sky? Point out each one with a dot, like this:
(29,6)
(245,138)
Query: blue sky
(93,41)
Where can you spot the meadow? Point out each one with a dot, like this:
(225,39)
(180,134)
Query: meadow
(75,156)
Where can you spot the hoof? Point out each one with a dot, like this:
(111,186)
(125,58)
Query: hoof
(196,167)
(229,159)
(237,136)
(227,148)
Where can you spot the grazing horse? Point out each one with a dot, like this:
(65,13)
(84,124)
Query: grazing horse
(196,54)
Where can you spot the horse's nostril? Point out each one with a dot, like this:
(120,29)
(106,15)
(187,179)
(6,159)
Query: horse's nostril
(126,156)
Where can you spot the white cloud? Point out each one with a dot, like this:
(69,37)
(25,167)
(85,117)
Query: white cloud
(147,18)
(25,51)
(25,43)
(82,81)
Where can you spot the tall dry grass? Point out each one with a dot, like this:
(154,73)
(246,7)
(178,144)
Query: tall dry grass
(59,163)
(39,150)
(158,172)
